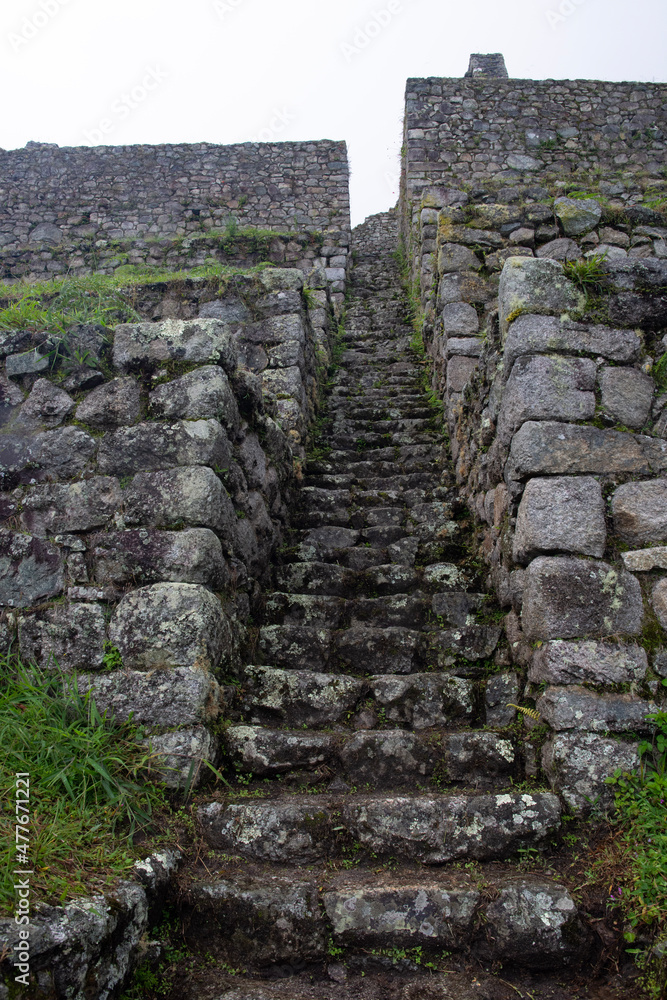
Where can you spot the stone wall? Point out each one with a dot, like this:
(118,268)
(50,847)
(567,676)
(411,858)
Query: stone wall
(485,130)
(555,398)
(49,193)
(144,493)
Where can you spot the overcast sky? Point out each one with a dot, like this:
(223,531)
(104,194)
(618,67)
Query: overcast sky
(85,72)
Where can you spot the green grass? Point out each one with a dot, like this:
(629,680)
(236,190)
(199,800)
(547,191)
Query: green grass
(637,857)
(588,274)
(86,800)
(660,373)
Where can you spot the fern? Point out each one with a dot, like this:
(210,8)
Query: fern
(532,713)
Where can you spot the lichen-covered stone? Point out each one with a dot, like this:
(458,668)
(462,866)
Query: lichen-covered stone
(640,512)
(89,944)
(139,346)
(295,831)
(578,764)
(178,697)
(115,404)
(541,387)
(390,758)
(146,555)
(535,334)
(529,285)
(588,662)
(550,448)
(501,692)
(627,395)
(257,921)
(393,649)
(454,257)
(178,759)
(535,922)
(171,625)
(577,215)
(423,700)
(191,495)
(435,829)
(153,446)
(578,708)
(644,560)
(79,506)
(204,392)
(560,514)
(566,598)
(299,697)
(459,372)
(261,751)
(402,915)
(54,455)
(46,406)
(31,569)
(659,601)
(460,319)
(65,636)
(477,757)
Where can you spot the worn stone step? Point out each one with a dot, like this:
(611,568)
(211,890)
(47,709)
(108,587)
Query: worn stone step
(359,649)
(271,695)
(291,918)
(367,441)
(431,828)
(374,759)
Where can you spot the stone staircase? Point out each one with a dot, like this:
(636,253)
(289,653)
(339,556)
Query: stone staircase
(377,819)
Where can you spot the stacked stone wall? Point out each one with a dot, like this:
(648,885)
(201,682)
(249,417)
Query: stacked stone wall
(144,493)
(546,324)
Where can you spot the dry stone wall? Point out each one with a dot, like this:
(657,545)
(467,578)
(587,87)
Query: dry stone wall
(143,496)
(554,385)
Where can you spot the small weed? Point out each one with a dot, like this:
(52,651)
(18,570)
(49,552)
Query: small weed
(589,274)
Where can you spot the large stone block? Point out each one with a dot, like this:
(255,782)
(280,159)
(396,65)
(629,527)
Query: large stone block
(299,697)
(577,216)
(541,387)
(588,662)
(423,700)
(30,569)
(384,759)
(578,764)
(459,371)
(640,512)
(566,598)
(146,555)
(152,446)
(454,257)
(659,601)
(114,404)
(54,455)
(550,448)
(535,922)
(255,921)
(296,831)
(179,697)
(139,346)
(435,829)
(68,636)
(529,285)
(204,392)
(578,708)
(403,916)
(80,506)
(531,334)
(46,406)
(459,319)
(627,395)
(560,514)
(262,751)
(171,625)
(191,495)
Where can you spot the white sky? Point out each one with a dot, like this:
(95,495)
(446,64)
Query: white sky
(228,71)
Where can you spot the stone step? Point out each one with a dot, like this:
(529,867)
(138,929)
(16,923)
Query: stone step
(376,581)
(291,917)
(369,426)
(271,696)
(360,649)
(374,759)
(431,828)
(367,441)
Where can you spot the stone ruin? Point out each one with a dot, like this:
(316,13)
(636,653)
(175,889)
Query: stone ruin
(331,591)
